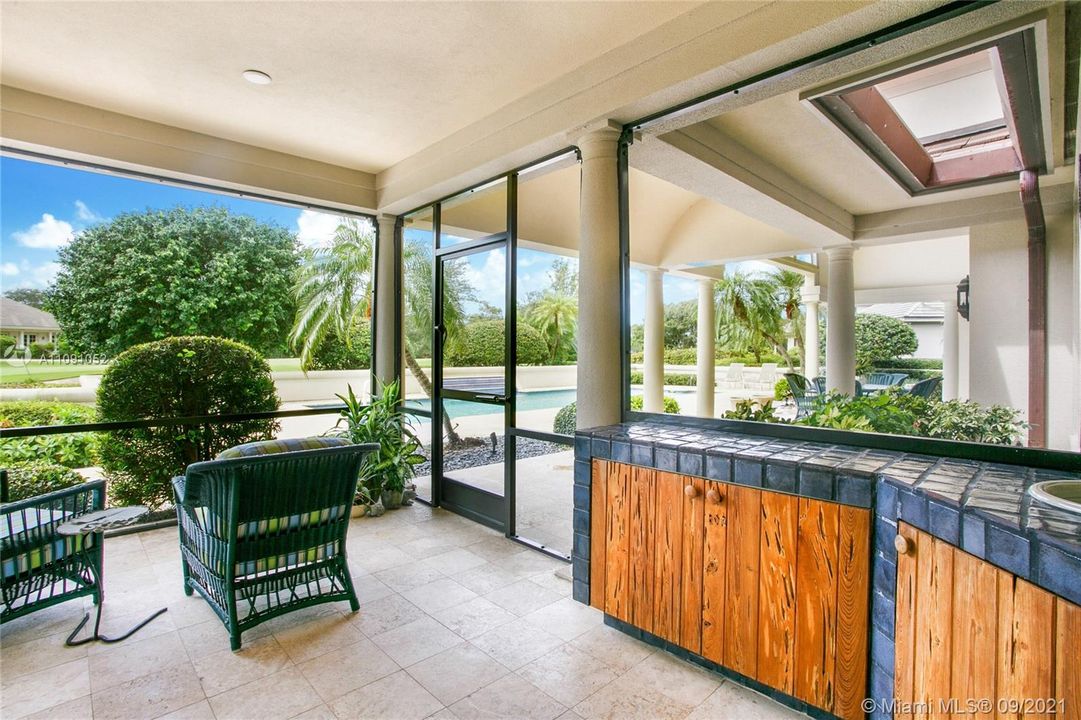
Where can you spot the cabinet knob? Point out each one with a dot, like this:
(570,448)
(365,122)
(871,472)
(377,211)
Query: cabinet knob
(902,545)
(690,491)
(714,496)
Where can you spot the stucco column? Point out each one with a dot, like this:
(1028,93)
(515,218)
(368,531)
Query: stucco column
(599,387)
(810,296)
(387,288)
(706,381)
(950,346)
(653,346)
(841,323)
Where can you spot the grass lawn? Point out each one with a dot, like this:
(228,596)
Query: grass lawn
(36,371)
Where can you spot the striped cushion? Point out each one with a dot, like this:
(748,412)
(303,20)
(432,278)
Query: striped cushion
(311,555)
(43,555)
(263,527)
(271,447)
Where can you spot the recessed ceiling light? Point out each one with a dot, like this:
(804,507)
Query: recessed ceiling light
(257,77)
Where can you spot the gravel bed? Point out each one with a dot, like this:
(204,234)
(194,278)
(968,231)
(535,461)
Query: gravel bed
(468,457)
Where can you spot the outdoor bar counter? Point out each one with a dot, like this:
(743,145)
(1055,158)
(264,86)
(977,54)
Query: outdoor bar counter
(826,574)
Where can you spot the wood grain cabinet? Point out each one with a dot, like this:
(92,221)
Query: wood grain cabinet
(772,586)
(976,641)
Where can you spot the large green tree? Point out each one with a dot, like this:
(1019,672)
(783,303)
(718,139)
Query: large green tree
(144,276)
(29,296)
(554,312)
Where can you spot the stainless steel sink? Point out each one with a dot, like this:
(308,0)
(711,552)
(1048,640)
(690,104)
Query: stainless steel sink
(1065,494)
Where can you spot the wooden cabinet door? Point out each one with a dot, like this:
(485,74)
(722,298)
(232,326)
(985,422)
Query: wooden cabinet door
(714,574)
(968,630)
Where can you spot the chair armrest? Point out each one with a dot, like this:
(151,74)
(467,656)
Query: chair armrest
(179,485)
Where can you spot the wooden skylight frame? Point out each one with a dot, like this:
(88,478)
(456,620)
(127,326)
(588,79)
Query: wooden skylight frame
(979,156)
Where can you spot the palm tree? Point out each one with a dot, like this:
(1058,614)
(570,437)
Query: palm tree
(749,315)
(789,294)
(333,287)
(555,315)
(417,300)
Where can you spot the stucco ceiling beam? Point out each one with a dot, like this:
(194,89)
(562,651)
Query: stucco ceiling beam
(930,221)
(704,161)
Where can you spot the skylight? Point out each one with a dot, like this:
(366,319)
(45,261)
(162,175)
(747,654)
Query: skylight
(945,101)
(968,118)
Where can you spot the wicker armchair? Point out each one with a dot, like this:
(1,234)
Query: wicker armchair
(262,535)
(41,568)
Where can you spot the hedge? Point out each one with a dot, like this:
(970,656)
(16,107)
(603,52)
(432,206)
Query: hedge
(74,451)
(689,356)
(566,419)
(685,379)
(334,354)
(179,377)
(481,344)
(30,479)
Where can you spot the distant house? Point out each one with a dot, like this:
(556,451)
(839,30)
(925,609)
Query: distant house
(26,324)
(925,319)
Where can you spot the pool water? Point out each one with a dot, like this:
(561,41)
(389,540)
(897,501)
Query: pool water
(532,400)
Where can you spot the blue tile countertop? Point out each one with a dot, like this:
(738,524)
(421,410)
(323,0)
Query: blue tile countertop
(983,508)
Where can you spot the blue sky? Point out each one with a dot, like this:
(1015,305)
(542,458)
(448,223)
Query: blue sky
(42,206)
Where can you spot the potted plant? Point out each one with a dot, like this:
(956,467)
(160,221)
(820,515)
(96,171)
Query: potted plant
(385,472)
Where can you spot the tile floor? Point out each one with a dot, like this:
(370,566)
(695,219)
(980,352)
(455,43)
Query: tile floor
(455,622)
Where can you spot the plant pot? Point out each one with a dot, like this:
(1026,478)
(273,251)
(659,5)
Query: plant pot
(359,511)
(392,499)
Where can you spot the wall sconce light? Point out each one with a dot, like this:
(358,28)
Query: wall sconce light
(962,298)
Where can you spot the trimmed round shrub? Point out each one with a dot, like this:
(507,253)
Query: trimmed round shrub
(179,377)
(879,337)
(566,418)
(334,354)
(74,451)
(27,480)
(480,344)
(781,391)
(41,349)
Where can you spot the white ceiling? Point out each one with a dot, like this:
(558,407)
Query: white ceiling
(358,84)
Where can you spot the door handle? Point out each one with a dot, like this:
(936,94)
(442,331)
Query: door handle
(442,330)
(491,396)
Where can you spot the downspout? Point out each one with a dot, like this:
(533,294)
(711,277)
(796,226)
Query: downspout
(1037,309)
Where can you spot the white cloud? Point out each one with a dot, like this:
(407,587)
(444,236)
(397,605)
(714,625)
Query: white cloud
(31,276)
(488,279)
(84,213)
(316,228)
(50,233)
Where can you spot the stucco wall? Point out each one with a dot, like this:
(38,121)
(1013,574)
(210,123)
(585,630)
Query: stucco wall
(998,319)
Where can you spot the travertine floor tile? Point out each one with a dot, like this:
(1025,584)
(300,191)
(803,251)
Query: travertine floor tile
(346,669)
(77,709)
(617,650)
(474,617)
(457,672)
(134,657)
(523,597)
(683,682)
(197,711)
(396,696)
(508,697)
(438,595)
(732,700)
(149,696)
(566,618)
(276,697)
(416,641)
(628,700)
(386,613)
(517,643)
(318,637)
(225,669)
(568,674)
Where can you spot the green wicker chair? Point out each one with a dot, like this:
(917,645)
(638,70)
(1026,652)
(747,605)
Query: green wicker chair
(262,528)
(41,568)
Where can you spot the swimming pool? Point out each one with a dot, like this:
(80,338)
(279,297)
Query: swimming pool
(533,400)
